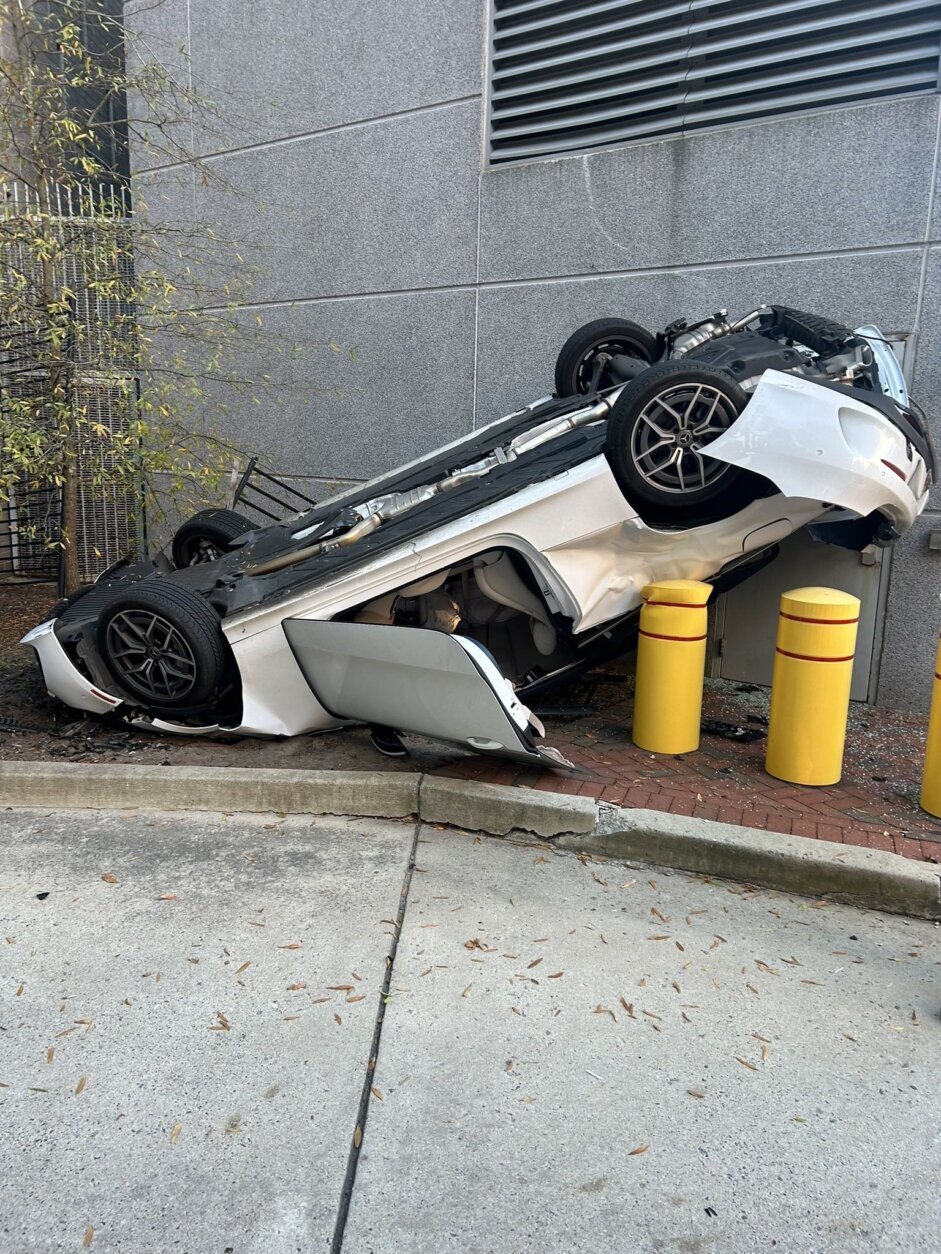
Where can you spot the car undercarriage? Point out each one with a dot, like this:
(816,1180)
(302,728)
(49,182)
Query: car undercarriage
(686,454)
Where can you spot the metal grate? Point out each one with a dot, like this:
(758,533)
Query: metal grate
(575,74)
(107,522)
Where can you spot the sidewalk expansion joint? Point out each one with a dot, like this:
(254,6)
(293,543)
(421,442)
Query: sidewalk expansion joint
(362,1113)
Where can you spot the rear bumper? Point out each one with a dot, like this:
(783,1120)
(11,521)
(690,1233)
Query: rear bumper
(62,677)
(825,444)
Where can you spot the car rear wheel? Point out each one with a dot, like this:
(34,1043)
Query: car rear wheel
(206,536)
(587,361)
(657,443)
(164,646)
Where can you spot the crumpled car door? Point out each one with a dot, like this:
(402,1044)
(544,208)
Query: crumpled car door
(419,681)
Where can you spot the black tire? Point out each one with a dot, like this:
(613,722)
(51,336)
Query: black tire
(206,536)
(178,634)
(658,456)
(577,362)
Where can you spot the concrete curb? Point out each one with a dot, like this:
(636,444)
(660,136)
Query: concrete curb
(499,809)
(792,864)
(864,877)
(373,794)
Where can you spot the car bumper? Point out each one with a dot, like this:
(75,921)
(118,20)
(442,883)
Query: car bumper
(62,677)
(823,444)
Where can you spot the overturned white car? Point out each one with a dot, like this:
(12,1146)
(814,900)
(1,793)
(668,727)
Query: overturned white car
(441,596)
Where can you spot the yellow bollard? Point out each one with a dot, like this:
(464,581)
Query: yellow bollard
(671,658)
(931,780)
(810,689)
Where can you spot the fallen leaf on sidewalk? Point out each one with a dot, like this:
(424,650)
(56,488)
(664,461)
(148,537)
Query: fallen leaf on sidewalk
(557,976)
(745,1063)
(89,1237)
(50,1053)
(293,945)
(695,1093)
(243,967)
(296,988)
(340,988)
(377,1093)
(467,990)
(661,936)
(358,1136)
(175,1134)
(167,897)
(109,877)
(629,1007)
(641,1149)
(603,1010)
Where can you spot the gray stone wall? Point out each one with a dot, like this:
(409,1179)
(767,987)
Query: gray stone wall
(431,293)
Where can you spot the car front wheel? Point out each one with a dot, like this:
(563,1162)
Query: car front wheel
(164,646)
(658,440)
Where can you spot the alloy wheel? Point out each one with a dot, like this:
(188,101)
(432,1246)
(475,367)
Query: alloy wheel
(150,655)
(671,432)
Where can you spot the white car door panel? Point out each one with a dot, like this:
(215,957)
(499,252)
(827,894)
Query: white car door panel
(419,681)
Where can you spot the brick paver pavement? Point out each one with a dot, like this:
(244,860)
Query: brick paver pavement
(875,805)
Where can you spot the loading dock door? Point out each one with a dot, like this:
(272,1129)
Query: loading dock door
(746,619)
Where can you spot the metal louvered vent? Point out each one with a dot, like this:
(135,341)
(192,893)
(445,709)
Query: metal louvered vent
(575,74)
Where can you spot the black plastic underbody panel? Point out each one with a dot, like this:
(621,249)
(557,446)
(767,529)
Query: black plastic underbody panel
(227,585)
(243,590)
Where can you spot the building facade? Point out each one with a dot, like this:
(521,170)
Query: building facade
(436,192)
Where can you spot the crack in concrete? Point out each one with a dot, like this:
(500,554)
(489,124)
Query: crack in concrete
(362,1113)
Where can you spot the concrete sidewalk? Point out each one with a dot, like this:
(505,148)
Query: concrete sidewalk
(572,1055)
(184,1042)
(579,1056)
